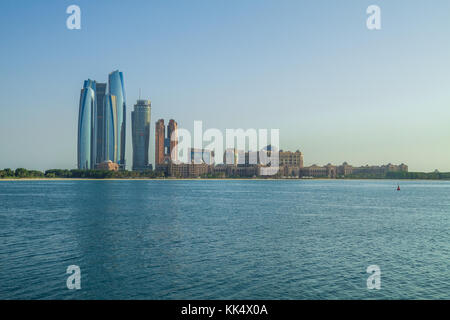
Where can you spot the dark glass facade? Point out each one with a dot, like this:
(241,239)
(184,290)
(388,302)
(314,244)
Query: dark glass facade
(100,122)
(140,127)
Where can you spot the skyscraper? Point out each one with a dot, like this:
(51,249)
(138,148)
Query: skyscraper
(117,89)
(110,128)
(165,147)
(100,121)
(159,142)
(86,126)
(172,140)
(140,127)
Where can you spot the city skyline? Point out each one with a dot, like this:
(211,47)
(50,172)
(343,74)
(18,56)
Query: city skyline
(336,90)
(224,158)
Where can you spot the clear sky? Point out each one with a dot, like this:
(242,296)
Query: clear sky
(337,91)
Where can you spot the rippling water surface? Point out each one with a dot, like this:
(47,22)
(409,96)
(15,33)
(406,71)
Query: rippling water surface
(224,239)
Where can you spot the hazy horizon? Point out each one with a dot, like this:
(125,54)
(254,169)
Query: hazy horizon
(336,90)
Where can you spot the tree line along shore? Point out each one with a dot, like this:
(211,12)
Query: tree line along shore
(21,173)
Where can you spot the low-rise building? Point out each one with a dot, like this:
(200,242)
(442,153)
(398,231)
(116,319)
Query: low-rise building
(345,169)
(247,164)
(315,171)
(291,159)
(107,165)
(188,170)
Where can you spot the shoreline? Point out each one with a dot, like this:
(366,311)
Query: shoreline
(209,179)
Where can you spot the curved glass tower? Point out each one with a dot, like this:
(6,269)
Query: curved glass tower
(117,89)
(110,127)
(86,126)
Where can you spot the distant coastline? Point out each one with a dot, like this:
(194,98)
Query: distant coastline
(212,179)
(75,174)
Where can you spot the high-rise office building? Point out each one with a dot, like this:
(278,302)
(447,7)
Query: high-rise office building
(172,140)
(159,142)
(140,127)
(86,126)
(100,122)
(166,147)
(110,129)
(117,89)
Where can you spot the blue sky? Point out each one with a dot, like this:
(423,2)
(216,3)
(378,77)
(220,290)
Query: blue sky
(337,91)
